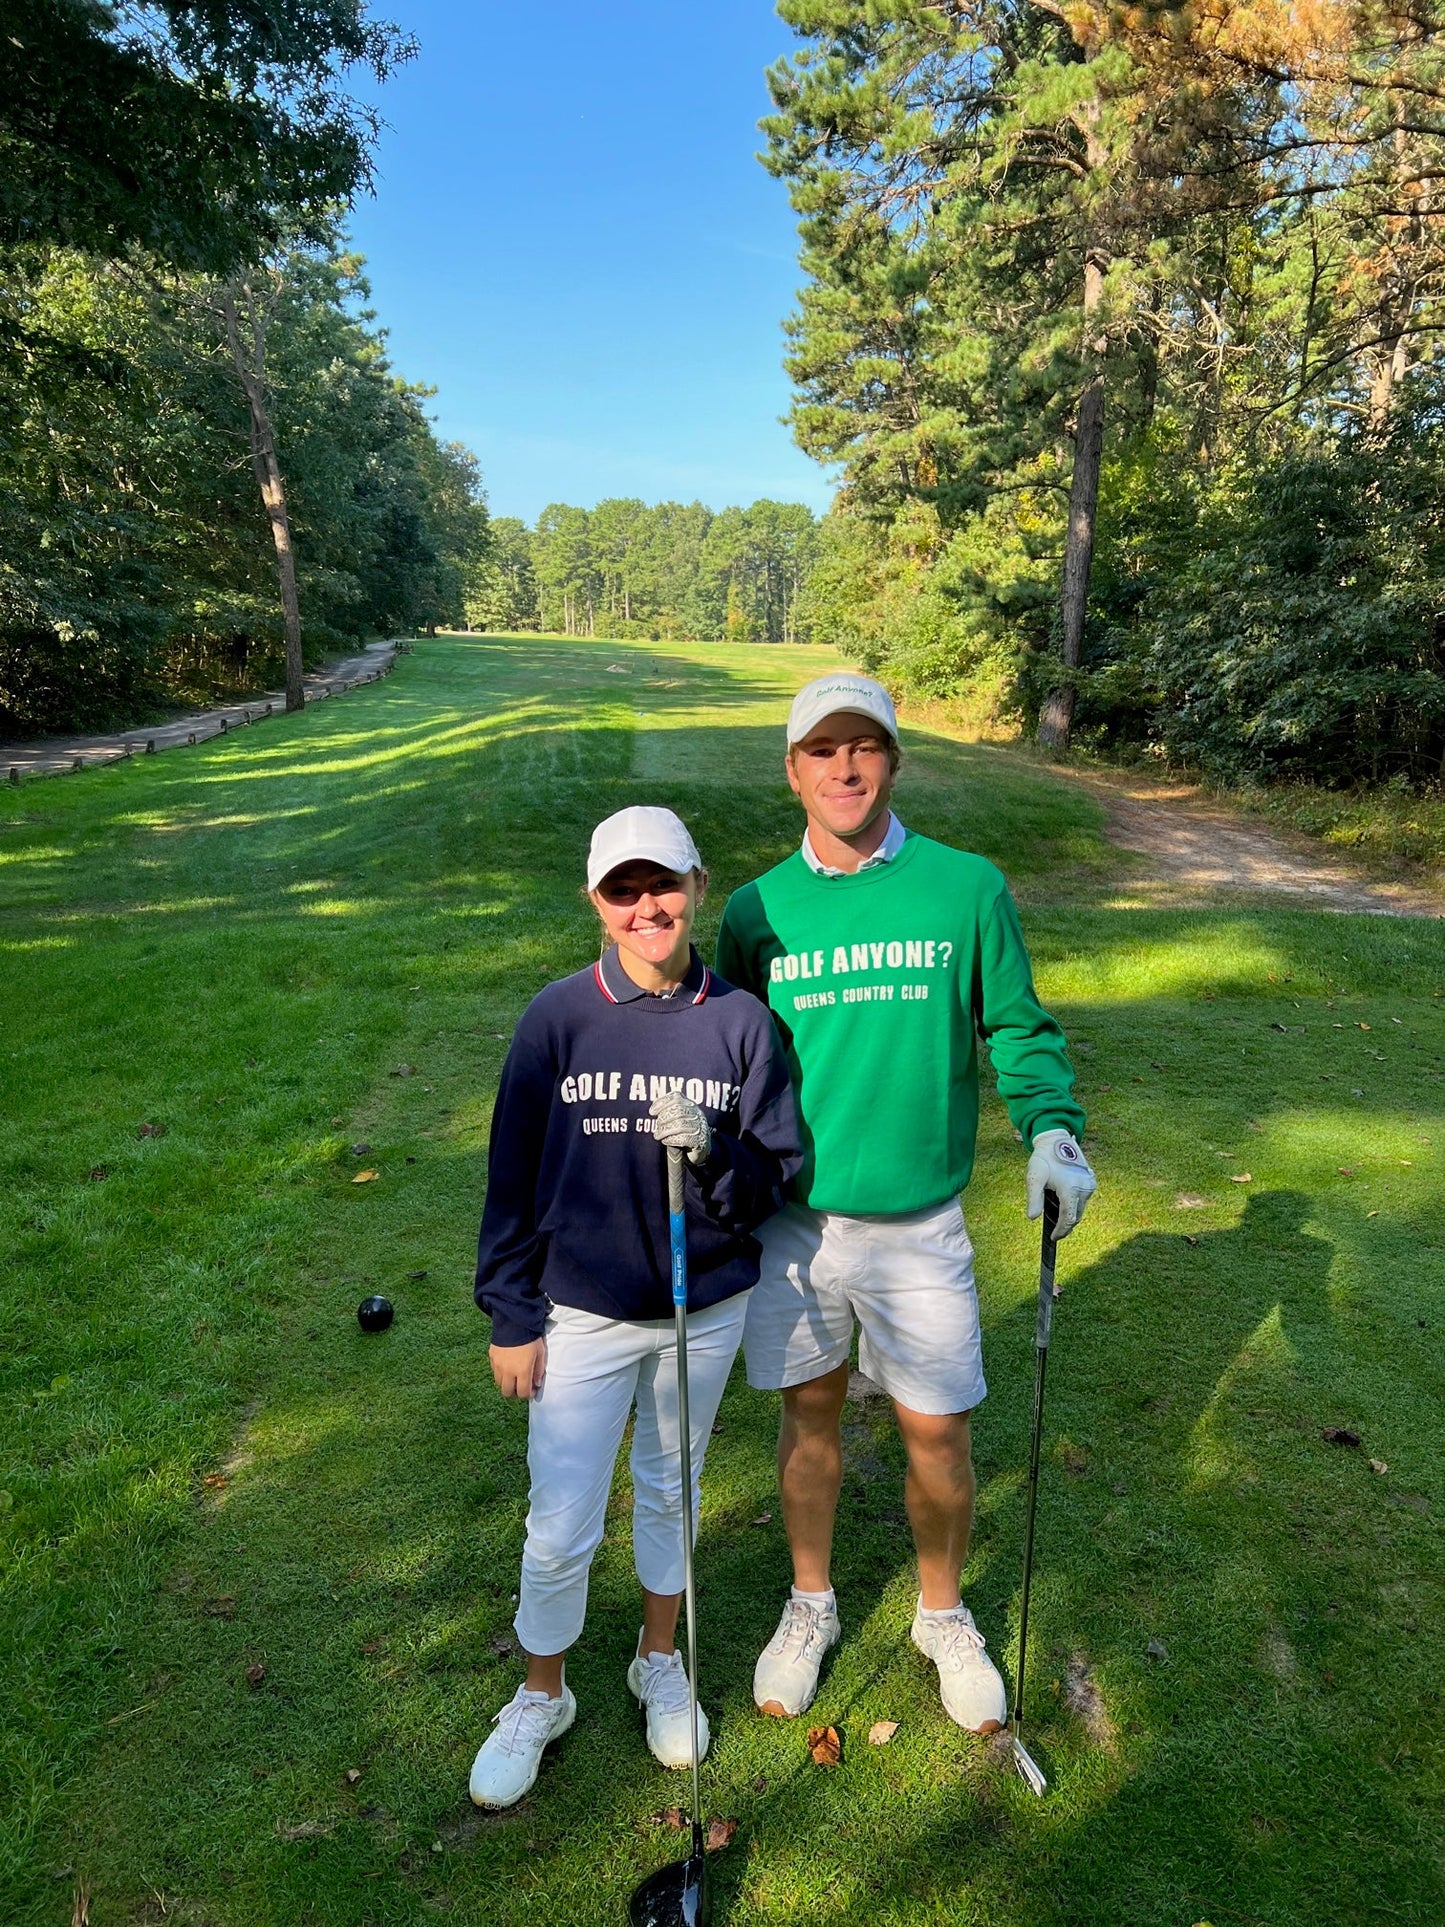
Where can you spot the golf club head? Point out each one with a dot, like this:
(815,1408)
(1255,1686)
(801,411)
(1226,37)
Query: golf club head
(1030,1772)
(674,1896)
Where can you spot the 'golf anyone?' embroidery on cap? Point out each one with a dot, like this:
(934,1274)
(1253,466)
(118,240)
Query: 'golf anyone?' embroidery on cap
(831,695)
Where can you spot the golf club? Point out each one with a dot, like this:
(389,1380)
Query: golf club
(677,1895)
(1029,1770)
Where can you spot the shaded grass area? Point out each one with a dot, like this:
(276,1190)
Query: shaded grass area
(243,943)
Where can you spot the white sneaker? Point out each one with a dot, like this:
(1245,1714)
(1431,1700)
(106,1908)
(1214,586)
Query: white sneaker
(507,1764)
(659,1685)
(786,1675)
(972,1690)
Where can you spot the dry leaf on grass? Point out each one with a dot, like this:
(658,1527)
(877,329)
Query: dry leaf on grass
(152,1130)
(213,1481)
(719,1834)
(881,1732)
(405,1070)
(255,1674)
(1379,1467)
(825,1745)
(353,1774)
(669,1817)
(1242,1177)
(98,1173)
(365,1177)
(763,1519)
(1156,1649)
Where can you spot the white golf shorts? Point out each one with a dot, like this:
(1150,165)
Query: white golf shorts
(908,1281)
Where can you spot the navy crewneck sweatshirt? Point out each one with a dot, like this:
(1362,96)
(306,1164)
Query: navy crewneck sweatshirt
(576,1209)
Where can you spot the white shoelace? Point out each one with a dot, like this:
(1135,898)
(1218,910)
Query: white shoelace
(523,1723)
(664,1682)
(962,1641)
(801,1628)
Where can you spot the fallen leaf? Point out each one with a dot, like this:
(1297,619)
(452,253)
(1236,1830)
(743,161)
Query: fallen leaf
(222,1607)
(1340,1435)
(1379,1467)
(825,1744)
(719,1834)
(255,1674)
(152,1130)
(763,1519)
(669,1817)
(1190,1201)
(98,1173)
(416,1276)
(1193,1242)
(353,1774)
(1364,1026)
(1346,1170)
(337,1122)
(1242,1177)
(405,1070)
(213,1481)
(366,1177)
(1156,1649)
(881,1732)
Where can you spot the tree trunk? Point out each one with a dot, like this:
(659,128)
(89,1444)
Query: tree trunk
(249,361)
(1056,719)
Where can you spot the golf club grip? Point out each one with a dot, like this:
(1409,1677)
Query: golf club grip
(1045,1322)
(677,1225)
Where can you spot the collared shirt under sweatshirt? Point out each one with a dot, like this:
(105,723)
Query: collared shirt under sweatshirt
(882,982)
(576,1210)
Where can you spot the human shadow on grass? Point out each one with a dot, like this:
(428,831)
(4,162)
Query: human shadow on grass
(1180,1655)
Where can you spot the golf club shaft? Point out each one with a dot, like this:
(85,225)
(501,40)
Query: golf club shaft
(1042,1329)
(675,1205)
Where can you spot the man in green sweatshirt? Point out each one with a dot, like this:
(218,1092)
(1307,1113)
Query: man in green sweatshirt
(884,956)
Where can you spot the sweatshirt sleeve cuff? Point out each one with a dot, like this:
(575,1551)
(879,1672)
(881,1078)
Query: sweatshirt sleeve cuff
(519,1325)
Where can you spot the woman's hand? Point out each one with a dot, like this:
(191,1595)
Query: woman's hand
(519,1369)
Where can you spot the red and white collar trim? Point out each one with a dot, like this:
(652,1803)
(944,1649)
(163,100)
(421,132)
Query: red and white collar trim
(699,994)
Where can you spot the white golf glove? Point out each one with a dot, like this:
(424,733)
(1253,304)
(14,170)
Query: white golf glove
(1057,1163)
(679,1123)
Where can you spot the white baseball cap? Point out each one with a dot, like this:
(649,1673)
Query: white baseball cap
(826,695)
(641,835)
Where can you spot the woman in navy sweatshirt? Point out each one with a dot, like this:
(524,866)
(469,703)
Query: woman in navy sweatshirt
(645,1048)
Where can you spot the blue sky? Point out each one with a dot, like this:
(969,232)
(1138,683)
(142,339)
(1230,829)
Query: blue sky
(572,240)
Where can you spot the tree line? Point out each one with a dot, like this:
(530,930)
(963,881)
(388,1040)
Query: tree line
(1124,326)
(194,389)
(625,568)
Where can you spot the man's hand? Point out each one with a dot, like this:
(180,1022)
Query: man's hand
(1057,1163)
(519,1369)
(680,1123)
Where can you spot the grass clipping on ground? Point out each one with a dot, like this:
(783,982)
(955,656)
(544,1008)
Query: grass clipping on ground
(259,1568)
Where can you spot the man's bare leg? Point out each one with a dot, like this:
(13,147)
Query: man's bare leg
(939,1496)
(810,1474)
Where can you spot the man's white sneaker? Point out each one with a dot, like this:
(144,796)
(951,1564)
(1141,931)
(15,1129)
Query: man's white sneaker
(973,1693)
(506,1766)
(786,1675)
(659,1685)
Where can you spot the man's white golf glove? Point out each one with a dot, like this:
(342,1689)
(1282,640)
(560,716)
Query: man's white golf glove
(679,1122)
(1057,1163)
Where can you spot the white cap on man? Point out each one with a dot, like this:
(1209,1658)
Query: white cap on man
(826,695)
(641,834)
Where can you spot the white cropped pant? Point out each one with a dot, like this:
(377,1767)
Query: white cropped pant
(597,1369)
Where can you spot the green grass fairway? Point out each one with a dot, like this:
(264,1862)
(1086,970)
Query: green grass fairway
(224,968)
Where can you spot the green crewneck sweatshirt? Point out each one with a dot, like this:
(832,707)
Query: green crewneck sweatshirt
(881,984)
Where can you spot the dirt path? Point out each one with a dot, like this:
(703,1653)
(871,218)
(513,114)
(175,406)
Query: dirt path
(1200,851)
(52,755)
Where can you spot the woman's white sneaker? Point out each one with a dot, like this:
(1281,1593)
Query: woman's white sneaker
(659,1685)
(506,1766)
(786,1675)
(969,1682)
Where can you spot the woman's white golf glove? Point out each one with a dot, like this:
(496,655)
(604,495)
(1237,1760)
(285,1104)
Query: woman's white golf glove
(679,1122)
(1057,1163)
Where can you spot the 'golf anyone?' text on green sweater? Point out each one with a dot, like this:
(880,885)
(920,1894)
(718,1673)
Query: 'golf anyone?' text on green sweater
(881,984)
